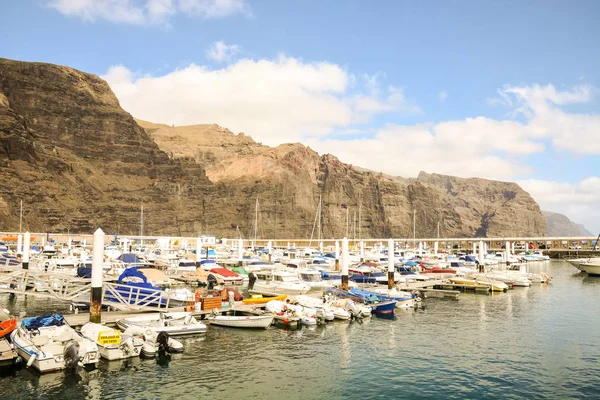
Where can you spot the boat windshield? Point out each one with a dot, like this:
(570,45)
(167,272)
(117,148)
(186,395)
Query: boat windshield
(310,277)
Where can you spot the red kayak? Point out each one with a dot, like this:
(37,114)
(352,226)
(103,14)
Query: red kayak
(6,327)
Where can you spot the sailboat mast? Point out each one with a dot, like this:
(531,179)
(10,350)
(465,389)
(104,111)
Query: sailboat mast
(415,228)
(354,227)
(347,221)
(319,225)
(256,220)
(359,218)
(21,218)
(141,224)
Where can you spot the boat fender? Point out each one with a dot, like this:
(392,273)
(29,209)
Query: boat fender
(31,360)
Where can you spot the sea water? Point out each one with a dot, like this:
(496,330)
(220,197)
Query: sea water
(537,342)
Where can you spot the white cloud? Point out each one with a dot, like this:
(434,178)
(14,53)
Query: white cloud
(579,201)
(275,101)
(442,96)
(221,52)
(144,12)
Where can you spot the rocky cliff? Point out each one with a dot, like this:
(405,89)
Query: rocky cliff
(79,161)
(561,226)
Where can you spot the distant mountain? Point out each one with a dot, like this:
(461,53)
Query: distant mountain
(560,225)
(77,160)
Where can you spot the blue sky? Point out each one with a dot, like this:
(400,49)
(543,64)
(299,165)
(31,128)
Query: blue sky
(497,89)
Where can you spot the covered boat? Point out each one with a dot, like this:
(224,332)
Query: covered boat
(48,343)
(111,343)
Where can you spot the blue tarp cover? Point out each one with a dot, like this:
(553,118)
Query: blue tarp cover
(84,272)
(132,272)
(43,320)
(207,262)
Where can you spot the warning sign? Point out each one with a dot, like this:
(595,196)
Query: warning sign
(109,337)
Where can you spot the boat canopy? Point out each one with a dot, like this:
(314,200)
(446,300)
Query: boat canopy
(129,258)
(224,272)
(132,273)
(203,262)
(43,321)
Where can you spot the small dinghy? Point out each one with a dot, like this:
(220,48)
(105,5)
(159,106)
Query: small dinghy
(241,321)
(315,303)
(8,355)
(47,343)
(155,343)
(111,343)
(174,323)
(281,308)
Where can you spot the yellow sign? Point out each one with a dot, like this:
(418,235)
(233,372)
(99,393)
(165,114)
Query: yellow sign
(109,337)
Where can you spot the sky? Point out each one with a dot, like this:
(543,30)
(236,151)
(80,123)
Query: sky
(505,90)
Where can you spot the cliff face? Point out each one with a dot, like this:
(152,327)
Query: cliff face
(79,161)
(288,180)
(559,225)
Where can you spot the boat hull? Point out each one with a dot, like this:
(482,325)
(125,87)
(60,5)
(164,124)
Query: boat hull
(255,322)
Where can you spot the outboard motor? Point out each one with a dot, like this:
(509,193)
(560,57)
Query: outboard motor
(162,339)
(211,281)
(127,346)
(354,309)
(71,354)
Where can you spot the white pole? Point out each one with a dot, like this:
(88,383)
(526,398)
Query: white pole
(294,245)
(321,247)
(125,242)
(43,242)
(20,244)
(481,258)
(390,263)
(513,248)
(474,249)
(240,249)
(362,251)
(345,262)
(96,292)
(26,250)
(420,248)
(69,243)
(337,250)
(435,248)
(289,246)
(507,251)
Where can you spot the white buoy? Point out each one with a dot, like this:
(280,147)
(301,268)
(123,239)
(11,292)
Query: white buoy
(26,250)
(20,244)
(97,263)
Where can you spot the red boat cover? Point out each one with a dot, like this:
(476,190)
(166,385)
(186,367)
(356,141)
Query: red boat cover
(224,272)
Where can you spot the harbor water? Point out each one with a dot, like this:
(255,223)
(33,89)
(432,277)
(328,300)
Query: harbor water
(538,342)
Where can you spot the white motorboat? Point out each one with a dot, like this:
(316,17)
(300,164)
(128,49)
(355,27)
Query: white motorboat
(174,323)
(312,278)
(591,266)
(280,308)
(282,283)
(155,342)
(354,308)
(48,343)
(403,298)
(242,321)
(111,343)
(315,303)
(580,263)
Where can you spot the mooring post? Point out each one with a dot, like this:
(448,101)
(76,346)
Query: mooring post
(240,251)
(481,257)
(345,262)
(96,293)
(19,244)
(198,251)
(26,250)
(390,263)
(337,255)
(362,251)
(507,252)
(435,248)
(321,247)
(474,249)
